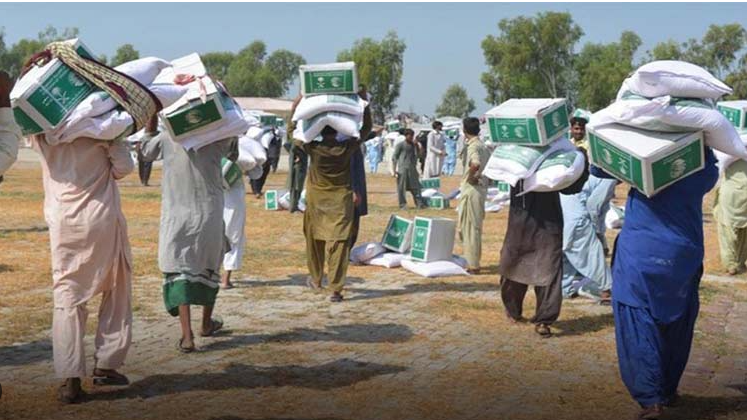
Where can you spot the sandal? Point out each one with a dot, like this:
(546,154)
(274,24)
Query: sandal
(336,297)
(184,350)
(109,377)
(215,325)
(543,330)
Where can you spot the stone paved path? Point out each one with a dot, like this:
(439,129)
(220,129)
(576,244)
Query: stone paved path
(400,347)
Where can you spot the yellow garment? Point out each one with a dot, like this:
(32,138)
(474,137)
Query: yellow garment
(733,244)
(730,207)
(471,206)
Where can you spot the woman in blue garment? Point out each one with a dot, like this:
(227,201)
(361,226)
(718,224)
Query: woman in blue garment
(373,151)
(657,265)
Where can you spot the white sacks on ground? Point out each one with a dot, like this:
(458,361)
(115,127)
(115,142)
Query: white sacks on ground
(366,251)
(455,267)
(559,171)
(674,115)
(511,162)
(675,78)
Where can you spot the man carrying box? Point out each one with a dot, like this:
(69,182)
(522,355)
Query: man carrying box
(10,134)
(90,256)
(404,163)
(328,219)
(191,237)
(474,190)
(532,254)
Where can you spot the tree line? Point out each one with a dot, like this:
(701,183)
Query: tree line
(530,56)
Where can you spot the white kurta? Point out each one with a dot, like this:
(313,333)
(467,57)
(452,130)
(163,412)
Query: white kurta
(90,249)
(434,159)
(234,218)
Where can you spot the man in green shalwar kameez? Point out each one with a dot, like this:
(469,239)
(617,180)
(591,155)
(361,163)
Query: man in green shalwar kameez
(730,210)
(328,219)
(474,192)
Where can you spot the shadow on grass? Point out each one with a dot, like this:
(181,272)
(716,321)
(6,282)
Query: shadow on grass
(26,354)
(584,324)
(352,333)
(441,286)
(691,407)
(336,374)
(30,229)
(291,280)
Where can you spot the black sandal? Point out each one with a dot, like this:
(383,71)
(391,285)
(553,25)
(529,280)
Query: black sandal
(109,377)
(215,325)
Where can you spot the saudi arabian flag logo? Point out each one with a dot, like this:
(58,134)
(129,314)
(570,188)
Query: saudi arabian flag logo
(520,132)
(679,166)
(75,80)
(194,116)
(556,120)
(607,157)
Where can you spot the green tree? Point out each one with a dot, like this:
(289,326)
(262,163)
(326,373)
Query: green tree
(530,56)
(380,67)
(124,54)
(721,44)
(665,50)
(253,73)
(601,69)
(14,58)
(217,63)
(455,102)
(285,64)
(738,80)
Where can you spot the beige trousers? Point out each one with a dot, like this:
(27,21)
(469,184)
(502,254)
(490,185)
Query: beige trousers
(113,334)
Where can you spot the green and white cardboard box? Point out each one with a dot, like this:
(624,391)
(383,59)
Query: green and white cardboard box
(735,112)
(438,202)
(393,125)
(398,234)
(268,120)
(190,115)
(529,122)
(432,239)
(501,185)
(231,172)
(434,183)
(647,160)
(319,79)
(46,95)
(271,200)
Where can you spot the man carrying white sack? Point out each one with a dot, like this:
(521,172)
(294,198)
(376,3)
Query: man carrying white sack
(585,271)
(436,151)
(234,218)
(474,192)
(10,134)
(90,256)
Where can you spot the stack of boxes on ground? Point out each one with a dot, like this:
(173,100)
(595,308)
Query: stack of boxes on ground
(653,134)
(736,113)
(433,197)
(532,147)
(53,99)
(423,246)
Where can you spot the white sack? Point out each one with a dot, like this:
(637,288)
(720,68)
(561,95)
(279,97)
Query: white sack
(345,124)
(144,70)
(256,150)
(246,160)
(366,251)
(511,162)
(435,268)
(311,106)
(168,94)
(725,160)
(560,170)
(267,138)
(676,78)
(429,192)
(386,260)
(108,126)
(614,218)
(675,115)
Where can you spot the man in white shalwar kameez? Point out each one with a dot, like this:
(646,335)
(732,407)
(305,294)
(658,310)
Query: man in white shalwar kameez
(434,158)
(90,256)
(234,218)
